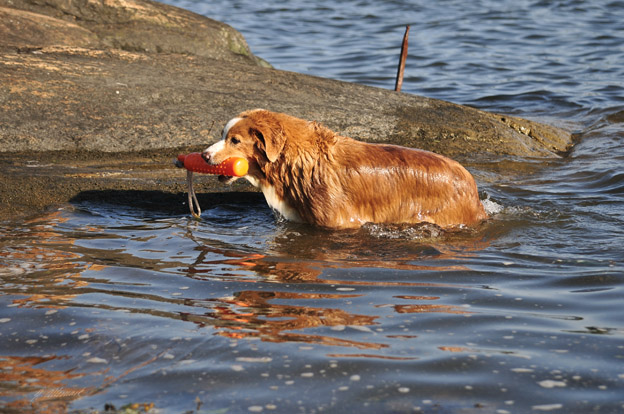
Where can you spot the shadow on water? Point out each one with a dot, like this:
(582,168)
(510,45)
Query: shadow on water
(160,201)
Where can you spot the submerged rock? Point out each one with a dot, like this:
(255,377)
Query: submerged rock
(94,78)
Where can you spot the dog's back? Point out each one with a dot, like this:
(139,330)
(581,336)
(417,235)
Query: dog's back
(360,183)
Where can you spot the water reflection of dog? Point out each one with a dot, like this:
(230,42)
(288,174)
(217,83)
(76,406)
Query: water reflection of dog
(302,254)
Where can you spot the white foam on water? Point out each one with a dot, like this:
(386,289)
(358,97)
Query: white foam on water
(491,206)
(406,232)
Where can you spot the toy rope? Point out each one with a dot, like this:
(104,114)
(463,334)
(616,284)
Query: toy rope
(192,198)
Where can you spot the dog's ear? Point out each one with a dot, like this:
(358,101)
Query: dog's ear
(273,141)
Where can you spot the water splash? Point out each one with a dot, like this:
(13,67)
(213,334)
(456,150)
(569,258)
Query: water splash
(492,208)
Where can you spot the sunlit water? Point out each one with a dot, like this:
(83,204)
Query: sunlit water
(240,312)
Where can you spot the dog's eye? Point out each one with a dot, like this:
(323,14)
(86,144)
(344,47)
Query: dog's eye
(234,140)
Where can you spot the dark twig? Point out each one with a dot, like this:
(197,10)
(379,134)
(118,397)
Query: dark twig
(399,78)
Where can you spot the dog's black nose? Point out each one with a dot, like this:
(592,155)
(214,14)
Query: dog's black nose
(206,156)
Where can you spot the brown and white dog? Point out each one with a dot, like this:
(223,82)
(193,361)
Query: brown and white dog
(310,174)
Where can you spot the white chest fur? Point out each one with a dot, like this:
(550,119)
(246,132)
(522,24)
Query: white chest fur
(279,205)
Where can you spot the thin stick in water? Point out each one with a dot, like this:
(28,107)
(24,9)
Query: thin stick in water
(399,78)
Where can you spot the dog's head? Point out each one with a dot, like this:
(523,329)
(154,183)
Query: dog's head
(257,136)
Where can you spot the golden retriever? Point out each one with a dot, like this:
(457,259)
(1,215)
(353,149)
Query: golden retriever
(310,174)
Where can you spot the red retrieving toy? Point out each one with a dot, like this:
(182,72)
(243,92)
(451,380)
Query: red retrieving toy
(194,162)
(232,167)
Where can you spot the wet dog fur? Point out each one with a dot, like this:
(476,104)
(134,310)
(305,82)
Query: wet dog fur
(310,174)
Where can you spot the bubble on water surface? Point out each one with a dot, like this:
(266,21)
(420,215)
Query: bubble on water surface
(254,359)
(547,407)
(96,360)
(551,384)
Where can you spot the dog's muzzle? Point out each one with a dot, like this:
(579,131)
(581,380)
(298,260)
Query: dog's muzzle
(206,156)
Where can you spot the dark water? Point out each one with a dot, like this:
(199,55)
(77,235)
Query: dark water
(242,313)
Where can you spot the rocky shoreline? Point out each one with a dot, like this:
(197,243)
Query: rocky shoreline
(97,97)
